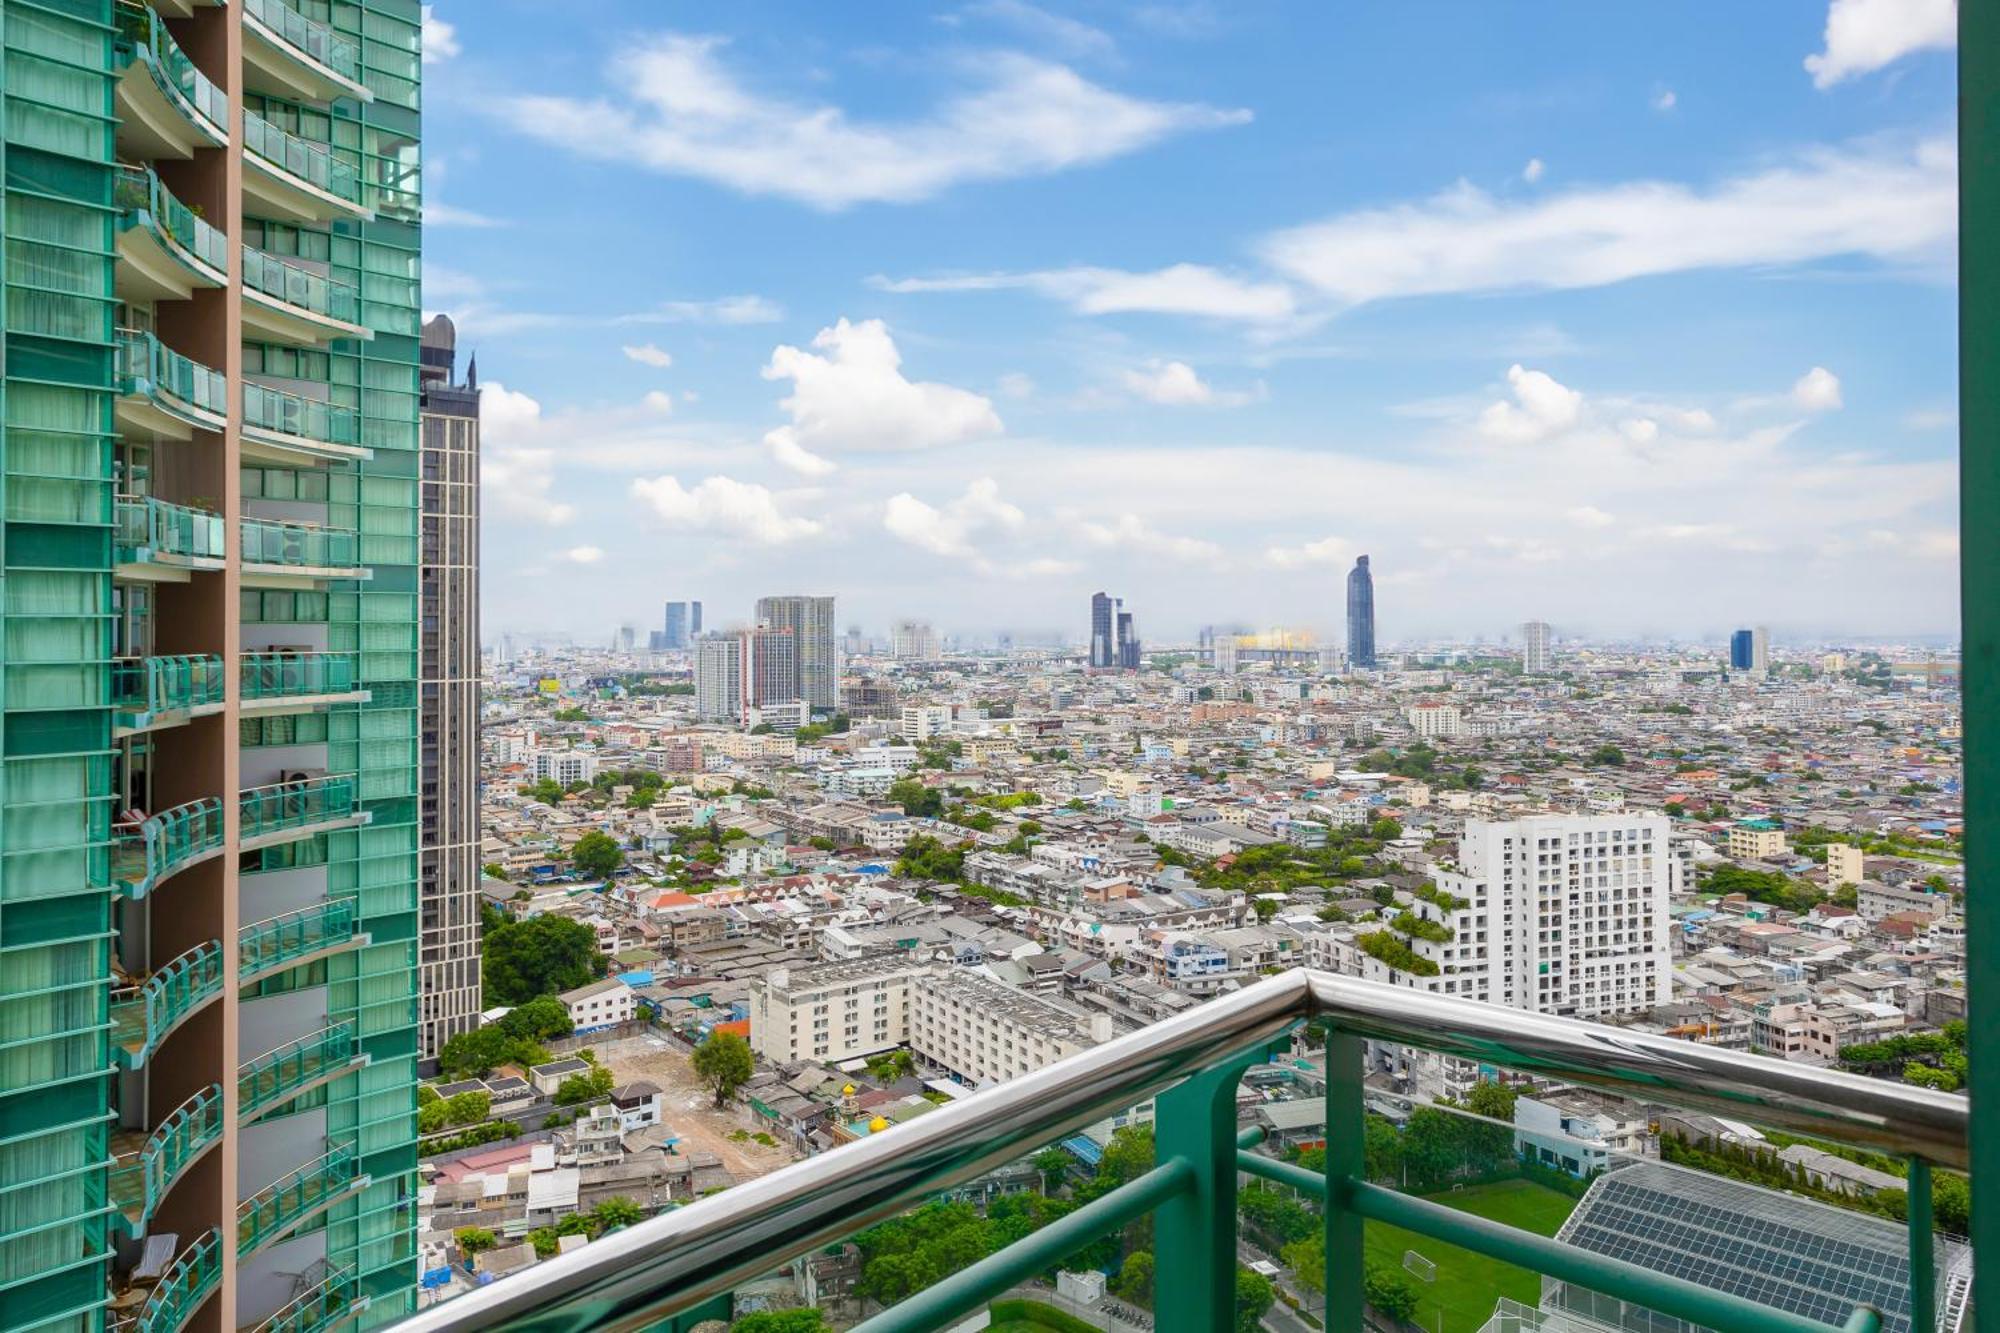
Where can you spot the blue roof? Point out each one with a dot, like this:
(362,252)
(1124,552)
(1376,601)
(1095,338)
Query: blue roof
(639,978)
(1085,1149)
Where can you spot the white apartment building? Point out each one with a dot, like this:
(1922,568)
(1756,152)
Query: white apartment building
(565,766)
(600,1004)
(1435,720)
(1845,864)
(1756,841)
(831,1012)
(1536,640)
(913,641)
(923,721)
(1564,914)
(981,1031)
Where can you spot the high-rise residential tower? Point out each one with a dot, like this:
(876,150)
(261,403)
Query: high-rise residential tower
(810,620)
(737,672)
(913,641)
(209,806)
(448,693)
(1536,654)
(694,621)
(1128,642)
(1361,616)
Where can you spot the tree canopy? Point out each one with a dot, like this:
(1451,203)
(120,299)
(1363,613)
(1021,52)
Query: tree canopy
(545,955)
(723,1061)
(597,855)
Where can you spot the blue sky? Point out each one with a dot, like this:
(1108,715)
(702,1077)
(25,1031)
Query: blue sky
(1637,319)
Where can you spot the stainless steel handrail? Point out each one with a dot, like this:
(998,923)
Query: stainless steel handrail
(675,1262)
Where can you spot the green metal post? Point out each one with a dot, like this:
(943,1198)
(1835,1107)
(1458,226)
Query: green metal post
(1194,1233)
(1923,1266)
(1346,1162)
(1979,589)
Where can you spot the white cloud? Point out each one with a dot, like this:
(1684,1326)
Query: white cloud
(678,110)
(745,309)
(439,39)
(1818,390)
(952,531)
(1325,551)
(658,400)
(1171,383)
(437,213)
(1541,407)
(1179,289)
(584,555)
(1070,36)
(646,354)
(1533,171)
(1589,516)
(1128,532)
(1865,35)
(516,478)
(725,507)
(1016,385)
(1639,430)
(855,398)
(1888,204)
(1665,100)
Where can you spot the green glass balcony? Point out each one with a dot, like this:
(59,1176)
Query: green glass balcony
(326,552)
(276,1209)
(295,179)
(153,692)
(162,844)
(165,249)
(182,1288)
(279,1075)
(297,937)
(291,427)
(162,392)
(334,1301)
(141,1179)
(292,56)
(173,538)
(274,681)
(142,1016)
(294,304)
(285,811)
(166,106)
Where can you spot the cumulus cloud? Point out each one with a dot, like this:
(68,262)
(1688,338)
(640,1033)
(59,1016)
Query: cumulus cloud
(1589,516)
(851,395)
(516,477)
(1541,407)
(1533,171)
(1179,289)
(954,529)
(583,555)
(1864,35)
(1818,390)
(1128,532)
(725,507)
(1325,551)
(646,354)
(1665,100)
(674,107)
(439,40)
(1171,383)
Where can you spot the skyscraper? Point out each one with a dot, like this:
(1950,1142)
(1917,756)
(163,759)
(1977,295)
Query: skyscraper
(676,627)
(810,620)
(1128,642)
(209,806)
(1750,650)
(694,621)
(1361,617)
(913,641)
(1103,629)
(448,693)
(744,669)
(1535,654)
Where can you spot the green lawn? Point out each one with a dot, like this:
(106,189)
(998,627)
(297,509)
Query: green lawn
(1468,1284)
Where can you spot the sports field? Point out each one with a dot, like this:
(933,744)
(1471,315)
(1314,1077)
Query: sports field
(1467,1284)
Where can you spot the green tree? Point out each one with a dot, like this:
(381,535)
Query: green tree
(541,956)
(1254,1295)
(1389,1292)
(1135,1279)
(597,855)
(477,1053)
(467,1108)
(431,1117)
(1492,1099)
(548,791)
(474,1240)
(1054,1164)
(724,1063)
(580,1088)
(571,715)
(1307,1260)
(493,870)
(617,1211)
(1608,756)
(538,1020)
(1265,908)
(808,1320)
(917,800)
(545,1241)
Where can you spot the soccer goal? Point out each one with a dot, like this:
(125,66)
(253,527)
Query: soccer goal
(1419,1267)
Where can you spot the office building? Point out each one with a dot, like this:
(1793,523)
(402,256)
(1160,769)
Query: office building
(809,620)
(1103,629)
(1361,617)
(913,641)
(1536,654)
(626,638)
(738,672)
(1750,650)
(208,764)
(1128,642)
(679,631)
(923,721)
(448,693)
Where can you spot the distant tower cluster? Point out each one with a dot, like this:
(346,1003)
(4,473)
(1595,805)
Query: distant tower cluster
(682,627)
(1537,656)
(1750,650)
(1361,617)
(1114,639)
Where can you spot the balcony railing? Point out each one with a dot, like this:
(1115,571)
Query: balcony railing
(143,1015)
(148,529)
(296,675)
(286,806)
(317,42)
(142,35)
(163,843)
(289,1200)
(144,202)
(336,1298)
(301,545)
(276,941)
(195,1273)
(301,288)
(150,369)
(279,1075)
(680,1267)
(139,1182)
(147,690)
(301,159)
(275,412)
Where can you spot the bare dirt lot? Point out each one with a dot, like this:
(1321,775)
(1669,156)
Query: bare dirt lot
(691,1109)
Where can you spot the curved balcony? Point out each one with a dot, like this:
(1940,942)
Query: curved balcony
(282,553)
(143,1016)
(289,55)
(140,1179)
(333,1302)
(165,249)
(145,853)
(152,692)
(290,303)
(298,180)
(292,682)
(166,106)
(164,543)
(296,938)
(194,1273)
(278,1075)
(288,428)
(288,811)
(279,1207)
(161,392)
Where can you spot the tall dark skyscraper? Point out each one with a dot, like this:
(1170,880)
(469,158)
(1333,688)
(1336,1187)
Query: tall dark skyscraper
(694,620)
(1103,629)
(1361,616)
(1128,642)
(676,628)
